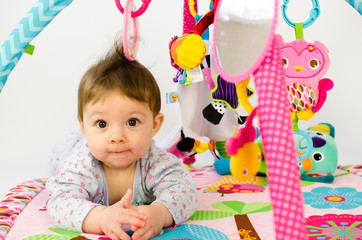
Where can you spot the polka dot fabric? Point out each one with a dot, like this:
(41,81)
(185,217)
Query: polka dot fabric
(277,135)
(189,20)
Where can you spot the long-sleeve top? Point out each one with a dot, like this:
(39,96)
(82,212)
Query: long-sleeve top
(81,184)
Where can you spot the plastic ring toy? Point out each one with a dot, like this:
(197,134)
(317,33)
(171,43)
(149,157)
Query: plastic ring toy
(314,14)
(137,13)
(128,42)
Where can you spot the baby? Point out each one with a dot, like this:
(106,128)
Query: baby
(112,177)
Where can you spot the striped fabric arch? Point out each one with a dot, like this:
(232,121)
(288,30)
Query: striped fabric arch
(356,4)
(43,12)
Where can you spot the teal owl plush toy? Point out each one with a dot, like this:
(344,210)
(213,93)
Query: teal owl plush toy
(320,165)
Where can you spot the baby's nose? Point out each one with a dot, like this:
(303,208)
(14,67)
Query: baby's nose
(117,136)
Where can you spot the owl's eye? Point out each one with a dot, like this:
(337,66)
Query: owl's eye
(314,63)
(285,62)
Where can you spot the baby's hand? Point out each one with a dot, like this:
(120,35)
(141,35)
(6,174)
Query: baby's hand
(122,212)
(158,217)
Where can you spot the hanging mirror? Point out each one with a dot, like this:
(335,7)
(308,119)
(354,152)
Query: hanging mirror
(243,32)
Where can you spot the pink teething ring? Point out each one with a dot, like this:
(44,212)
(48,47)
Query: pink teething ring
(128,42)
(137,13)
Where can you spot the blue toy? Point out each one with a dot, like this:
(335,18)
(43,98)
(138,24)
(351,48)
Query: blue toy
(222,165)
(322,162)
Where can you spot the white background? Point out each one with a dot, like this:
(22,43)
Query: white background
(38,103)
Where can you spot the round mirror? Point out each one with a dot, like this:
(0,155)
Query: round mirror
(243,31)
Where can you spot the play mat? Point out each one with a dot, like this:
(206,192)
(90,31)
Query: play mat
(242,205)
(228,209)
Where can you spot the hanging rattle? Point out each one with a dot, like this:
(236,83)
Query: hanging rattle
(189,50)
(304,65)
(130,43)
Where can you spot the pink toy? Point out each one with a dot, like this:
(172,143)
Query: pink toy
(304,66)
(130,44)
(243,135)
(137,13)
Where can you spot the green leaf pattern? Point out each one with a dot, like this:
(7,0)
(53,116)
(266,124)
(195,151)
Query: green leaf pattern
(231,208)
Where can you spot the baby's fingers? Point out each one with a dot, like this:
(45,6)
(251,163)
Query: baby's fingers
(126,199)
(133,213)
(145,233)
(132,220)
(118,234)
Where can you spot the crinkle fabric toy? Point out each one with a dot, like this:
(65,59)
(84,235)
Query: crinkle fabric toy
(304,66)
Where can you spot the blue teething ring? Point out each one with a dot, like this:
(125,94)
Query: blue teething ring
(43,12)
(314,14)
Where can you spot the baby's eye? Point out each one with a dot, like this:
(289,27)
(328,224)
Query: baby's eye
(101,124)
(132,122)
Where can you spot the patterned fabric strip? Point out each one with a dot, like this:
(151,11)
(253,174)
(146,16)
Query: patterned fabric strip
(15,201)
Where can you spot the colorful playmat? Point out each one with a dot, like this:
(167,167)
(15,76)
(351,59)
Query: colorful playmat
(227,209)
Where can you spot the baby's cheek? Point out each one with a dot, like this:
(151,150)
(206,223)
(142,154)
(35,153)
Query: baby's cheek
(96,151)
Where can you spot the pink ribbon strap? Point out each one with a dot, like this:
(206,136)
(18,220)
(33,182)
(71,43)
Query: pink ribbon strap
(277,136)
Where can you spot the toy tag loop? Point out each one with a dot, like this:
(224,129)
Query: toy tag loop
(130,43)
(314,14)
(299,31)
(137,13)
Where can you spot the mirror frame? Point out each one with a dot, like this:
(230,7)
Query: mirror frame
(243,76)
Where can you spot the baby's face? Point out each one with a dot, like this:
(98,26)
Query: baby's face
(119,130)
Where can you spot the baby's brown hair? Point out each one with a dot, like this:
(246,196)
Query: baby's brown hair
(115,72)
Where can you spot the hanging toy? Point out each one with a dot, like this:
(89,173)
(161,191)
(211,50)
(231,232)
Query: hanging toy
(189,50)
(245,153)
(131,41)
(304,66)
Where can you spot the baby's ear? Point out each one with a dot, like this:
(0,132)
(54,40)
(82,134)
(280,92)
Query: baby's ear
(81,125)
(157,123)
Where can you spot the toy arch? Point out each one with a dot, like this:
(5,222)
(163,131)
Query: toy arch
(38,17)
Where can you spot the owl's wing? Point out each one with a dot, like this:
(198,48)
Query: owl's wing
(325,84)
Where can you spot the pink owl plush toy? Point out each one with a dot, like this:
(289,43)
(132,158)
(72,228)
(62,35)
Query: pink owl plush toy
(304,66)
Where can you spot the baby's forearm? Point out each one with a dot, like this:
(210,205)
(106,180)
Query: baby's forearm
(164,214)
(91,223)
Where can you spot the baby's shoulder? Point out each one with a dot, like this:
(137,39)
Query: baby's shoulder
(64,149)
(159,158)
(159,153)
(80,156)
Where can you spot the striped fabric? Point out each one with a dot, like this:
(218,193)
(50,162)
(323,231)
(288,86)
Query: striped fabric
(357,4)
(27,29)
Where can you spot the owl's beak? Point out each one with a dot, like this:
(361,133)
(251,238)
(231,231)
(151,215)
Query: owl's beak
(298,69)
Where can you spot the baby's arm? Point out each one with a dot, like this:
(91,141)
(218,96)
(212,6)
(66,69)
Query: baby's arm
(175,191)
(77,194)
